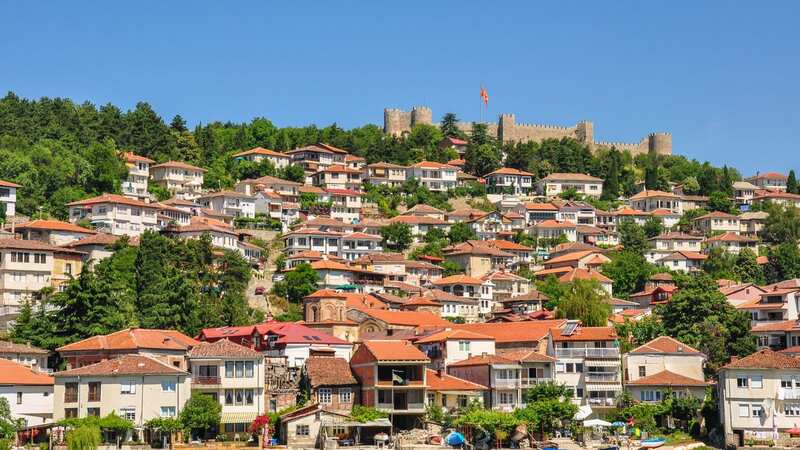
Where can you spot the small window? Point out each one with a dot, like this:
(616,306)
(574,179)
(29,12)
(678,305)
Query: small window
(302,430)
(642,371)
(70,413)
(168,386)
(741,382)
(324,396)
(167,411)
(744,410)
(757,382)
(93,412)
(345,395)
(19,398)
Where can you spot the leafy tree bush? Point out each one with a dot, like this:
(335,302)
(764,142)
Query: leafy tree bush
(396,236)
(83,438)
(461,232)
(201,413)
(585,300)
(297,283)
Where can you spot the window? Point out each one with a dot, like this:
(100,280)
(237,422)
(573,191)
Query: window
(463,346)
(128,414)
(650,396)
(324,396)
(68,268)
(642,371)
(167,411)
(744,410)
(228,396)
(70,392)
(786,384)
(93,412)
(248,396)
(239,369)
(791,409)
(127,387)
(70,413)
(19,398)
(248,369)
(168,386)
(560,367)
(506,398)
(301,430)
(757,410)
(345,395)
(741,382)
(229,369)
(757,382)
(579,392)
(94,391)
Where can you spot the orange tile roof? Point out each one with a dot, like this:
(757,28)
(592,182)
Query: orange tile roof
(95,239)
(730,236)
(453,334)
(717,215)
(667,378)
(54,225)
(509,171)
(550,223)
(571,256)
(132,157)
(21,244)
(425,209)
(583,274)
(180,165)
(507,245)
(560,176)
(328,371)
(541,207)
(652,193)
(12,373)
(507,333)
(261,151)
(433,165)
(786,325)
(364,301)
(683,254)
(765,359)
(326,293)
(665,344)
(447,382)
(457,279)
(585,334)
(132,339)
(526,355)
(124,365)
(406,318)
(418,300)
(112,198)
(769,176)
(9,184)
(223,348)
(483,360)
(394,351)
(418,220)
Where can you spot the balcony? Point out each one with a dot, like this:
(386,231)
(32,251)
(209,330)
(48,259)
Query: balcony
(406,407)
(604,402)
(206,381)
(507,384)
(528,382)
(587,352)
(602,376)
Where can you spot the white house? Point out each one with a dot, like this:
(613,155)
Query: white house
(116,214)
(437,177)
(258,154)
(556,183)
(230,203)
(183,180)
(717,222)
(507,179)
(650,200)
(135,185)
(29,393)
(769,180)
(8,196)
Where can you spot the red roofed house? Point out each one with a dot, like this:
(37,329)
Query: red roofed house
(510,181)
(135,186)
(388,322)
(29,392)
(437,177)
(732,243)
(316,157)
(718,222)
(650,200)
(769,180)
(392,378)
(652,296)
(452,345)
(346,204)
(500,375)
(778,335)
(168,346)
(556,183)
(338,177)
(185,181)
(588,363)
(259,154)
(8,197)
(661,365)
(331,383)
(53,232)
(293,341)
(774,305)
(683,261)
(116,214)
(452,393)
(383,173)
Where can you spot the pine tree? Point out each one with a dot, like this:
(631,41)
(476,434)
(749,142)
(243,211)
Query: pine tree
(611,181)
(449,126)
(791,183)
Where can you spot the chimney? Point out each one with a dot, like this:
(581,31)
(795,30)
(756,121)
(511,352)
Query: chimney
(440,372)
(734,358)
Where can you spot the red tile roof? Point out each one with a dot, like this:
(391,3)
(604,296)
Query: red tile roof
(95,239)
(394,351)
(133,339)
(652,193)
(124,365)
(447,382)
(550,223)
(112,198)
(506,333)
(559,176)
(483,360)
(223,348)
(786,325)
(451,334)
(540,207)
(132,157)
(667,378)
(717,215)
(407,318)
(509,171)
(665,344)
(329,371)
(585,334)
(9,184)
(526,355)
(433,165)
(20,244)
(261,151)
(457,279)
(179,165)
(12,373)
(765,359)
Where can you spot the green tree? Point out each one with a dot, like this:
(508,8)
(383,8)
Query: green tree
(586,301)
(720,264)
(746,269)
(782,224)
(396,236)
(720,201)
(449,126)
(633,237)
(461,232)
(201,413)
(450,268)
(83,438)
(435,235)
(783,263)
(653,226)
(791,183)
(629,272)
(8,424)
(482,159)
(294,173)
(633,334)
(298,283)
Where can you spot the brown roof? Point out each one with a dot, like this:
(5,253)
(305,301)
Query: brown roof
(764,359)
(550,223)
(583,274)
(571,256)
(450,334)
(180,165)
(9,184)
(560,176)
(683,254)
(17,374)
(329,371)
(447,382)
(132,339)
(532,295)
(652,193)
(730,236)
(717,215)
(394,351)
(786,325)
(261,151)
(112,198)
(507,333)
(124,365)
(13,347)
(585,334)
(406,318)
(55,225)
(509,171)
(457,279)
(483,360)
(665,344)
(527,355)
(223,348)
(132,157)
(667,378)
(20,244)
(95,239)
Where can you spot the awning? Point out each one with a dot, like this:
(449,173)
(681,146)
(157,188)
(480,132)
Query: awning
(340,422)
(583,412)
(238,417)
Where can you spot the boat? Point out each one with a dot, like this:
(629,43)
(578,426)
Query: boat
(653,442)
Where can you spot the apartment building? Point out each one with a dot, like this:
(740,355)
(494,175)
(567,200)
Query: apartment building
(667,243)
(234,376)
(683,261)
(588,363)
(303,239)
(773,306)
(356,245)
(386,174)
(651,200)
(769,180)
(184,181)
(420,225)
(287,190)
(452,393)
(8,197)
(777,197)
(554,230)
(752,223)
(330,382)
(717,222)
(479,258)
(501,376)
(661,366)
(277,159)
(743,192)
(450,345)
(508,180)
(135,185)
(229,203)
(537,212)
(759,396)
(29,393)
(732,243)
(392,378)
(338,177)
(26,267)
(25,354)
(469,287)
(556,183)
(316,157)
(53,232)
(437,177)
(136,387)
(115,214)
(345,204)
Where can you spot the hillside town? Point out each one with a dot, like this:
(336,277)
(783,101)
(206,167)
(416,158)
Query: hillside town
(392,302)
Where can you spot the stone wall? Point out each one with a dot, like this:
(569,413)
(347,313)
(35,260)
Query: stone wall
(397,122)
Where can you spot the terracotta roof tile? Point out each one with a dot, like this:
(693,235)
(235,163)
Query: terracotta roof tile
(483,360)
(457,279)
(585,334)
(262,151)
(329,371)
(526,355)
(113,198)
(179,165)
(223,348)
(505,333)
(13,347)
(451,334)
(394,351)
(54,225)
(665,344)
(12,373)
(21,244)
(9,184)
(583,274)
(447,382)
(509,171)
(132,339)
(407,318)
(560,176)
(124,365)
(765,359)
(667,378)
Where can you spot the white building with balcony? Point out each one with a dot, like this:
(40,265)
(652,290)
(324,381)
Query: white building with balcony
(29,393)
(345,204)
(667,243)
(511,181)
(650,200)
(383,173)
(437,177)
(773,306)
(556,183)
(116,214)
(135,185)
(8,197)
(229,203)
(185,181)
(502,376)
(300,240)
(258,154)
(356,245)
(769,180)
(233,375)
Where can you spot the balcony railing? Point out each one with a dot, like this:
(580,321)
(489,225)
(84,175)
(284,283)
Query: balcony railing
(206,381)
(507,384)
(602,401)
(534,381)
(602,376)
(587,352)
(406,407)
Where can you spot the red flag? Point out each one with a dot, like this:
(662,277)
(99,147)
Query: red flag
(484,96)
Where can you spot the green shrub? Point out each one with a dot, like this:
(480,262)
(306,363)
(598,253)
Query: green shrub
(83,438)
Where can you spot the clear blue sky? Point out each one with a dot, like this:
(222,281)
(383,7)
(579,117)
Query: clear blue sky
(722,77)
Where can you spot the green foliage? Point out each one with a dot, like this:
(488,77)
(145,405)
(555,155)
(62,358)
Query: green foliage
(746,269)
(632,237)
(553,289)
(297,283)
(487,420)
(201,412)
(629,272)
(450,268)
(783,262)
(366,414)
(435,235)
(686,222)
(720,264)
(633,334)
(791,183)
(83,438)
(653,226)
(546,391)
(449,126)
(481,157)
(587,301)
(164,424)
(461,232)
(160,192)
(293,313)
(700,316)
(396,236)
(720,201)
(782,224)
(8,424)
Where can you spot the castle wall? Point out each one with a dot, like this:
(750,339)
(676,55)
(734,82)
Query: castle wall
(396,122)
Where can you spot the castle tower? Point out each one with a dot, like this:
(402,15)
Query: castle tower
(505,128)
(396,121)
(421,115)
(660,143)
(585,133)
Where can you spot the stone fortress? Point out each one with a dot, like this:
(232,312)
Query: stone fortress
(396,122)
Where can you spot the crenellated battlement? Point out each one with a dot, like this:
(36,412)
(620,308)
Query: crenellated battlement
(397,122)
